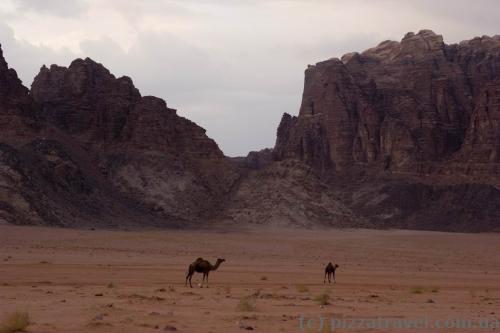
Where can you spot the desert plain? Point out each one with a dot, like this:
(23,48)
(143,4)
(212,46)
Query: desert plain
(272,280)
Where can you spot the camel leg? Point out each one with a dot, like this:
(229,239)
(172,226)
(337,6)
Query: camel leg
(329,277)
(190,277)
(203,279)
(207,279)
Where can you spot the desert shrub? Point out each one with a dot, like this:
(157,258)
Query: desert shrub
(302,288)
(417,290)
(322,298)
(247,304)
(325,328)
(263,278)
(14,322)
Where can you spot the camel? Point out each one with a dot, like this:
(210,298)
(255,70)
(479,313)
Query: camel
(202,266)
(330,272)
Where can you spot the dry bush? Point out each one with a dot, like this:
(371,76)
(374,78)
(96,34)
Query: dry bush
(417,290)
(247,304)
(317,329)
(323,298)
(14,322)
(302,288)
(323,329)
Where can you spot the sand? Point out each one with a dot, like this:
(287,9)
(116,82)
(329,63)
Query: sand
(133,281)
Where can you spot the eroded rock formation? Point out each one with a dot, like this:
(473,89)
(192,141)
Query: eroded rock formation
(408,107)
(405,135)
(85,148)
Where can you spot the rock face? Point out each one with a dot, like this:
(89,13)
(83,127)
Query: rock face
(16,119)
(143,148)
(407,107)
(287,193)
(404,135)
(414,113)
(85,148)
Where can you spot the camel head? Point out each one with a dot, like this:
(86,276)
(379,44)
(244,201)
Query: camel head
(220,261)
(336,266)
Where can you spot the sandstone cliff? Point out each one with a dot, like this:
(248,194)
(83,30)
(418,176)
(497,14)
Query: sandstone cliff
(406,133)
(85,148)
(416,107)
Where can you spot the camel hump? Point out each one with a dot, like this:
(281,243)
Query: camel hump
(199,259)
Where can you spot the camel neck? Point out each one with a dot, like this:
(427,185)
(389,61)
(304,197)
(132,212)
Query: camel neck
(214,267)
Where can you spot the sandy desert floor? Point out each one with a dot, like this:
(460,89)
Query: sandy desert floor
(131,281)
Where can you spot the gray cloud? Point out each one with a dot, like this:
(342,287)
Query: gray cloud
(53,7)
(27,58)
(204,87)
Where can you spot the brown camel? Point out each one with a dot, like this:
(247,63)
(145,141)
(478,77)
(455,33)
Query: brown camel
(202,266)
(330,272)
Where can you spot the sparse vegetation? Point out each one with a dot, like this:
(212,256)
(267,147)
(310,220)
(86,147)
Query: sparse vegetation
(417,290)
(143,297)
(14,322)
(247,304)
(323,298)
(435,290)
(263,278)
(111,285)
(302,288)
(325,328)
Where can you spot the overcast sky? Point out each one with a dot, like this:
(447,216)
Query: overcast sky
(232,66)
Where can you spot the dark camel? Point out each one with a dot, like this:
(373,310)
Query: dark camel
(202,266)
(330,272)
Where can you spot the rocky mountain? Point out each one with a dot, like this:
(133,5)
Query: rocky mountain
(405,134)
(85,148)
(408,106)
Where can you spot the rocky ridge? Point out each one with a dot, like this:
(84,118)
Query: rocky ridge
(405,135)
(85,148)
(412,123)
